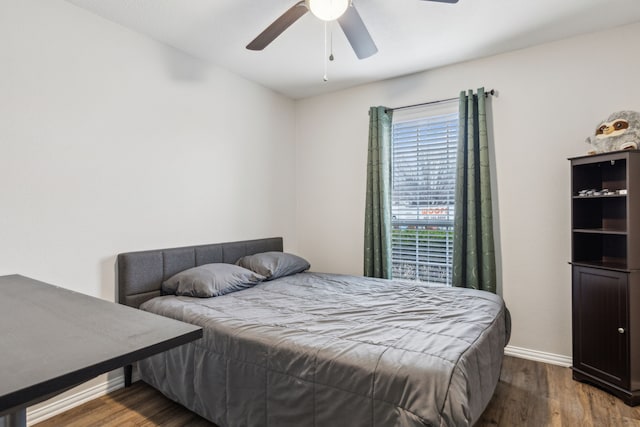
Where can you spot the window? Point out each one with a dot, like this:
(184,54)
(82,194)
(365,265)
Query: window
(423,172)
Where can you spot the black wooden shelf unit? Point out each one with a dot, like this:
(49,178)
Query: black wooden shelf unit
(605,258)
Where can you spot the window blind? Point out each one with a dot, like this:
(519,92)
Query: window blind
(423,172)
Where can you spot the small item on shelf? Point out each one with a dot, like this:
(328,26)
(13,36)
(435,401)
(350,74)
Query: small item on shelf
(588,192)
(604,192)
(622,191)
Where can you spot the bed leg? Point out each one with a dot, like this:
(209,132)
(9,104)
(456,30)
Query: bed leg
(128,375)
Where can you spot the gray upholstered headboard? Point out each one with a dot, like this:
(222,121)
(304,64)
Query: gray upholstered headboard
(140,274)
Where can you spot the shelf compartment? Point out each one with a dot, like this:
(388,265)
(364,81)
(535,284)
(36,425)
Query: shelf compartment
(600,249)
(611,175)
(608,213)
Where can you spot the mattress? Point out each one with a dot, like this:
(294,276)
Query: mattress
(317,349)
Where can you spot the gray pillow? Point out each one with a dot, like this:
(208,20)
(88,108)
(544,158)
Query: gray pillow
(272,265)
(210,280)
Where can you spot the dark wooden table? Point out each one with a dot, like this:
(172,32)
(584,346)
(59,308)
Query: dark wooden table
(52,339)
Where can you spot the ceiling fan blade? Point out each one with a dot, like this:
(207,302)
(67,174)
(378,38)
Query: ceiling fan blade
(357,33)
(278,26)
(444,1)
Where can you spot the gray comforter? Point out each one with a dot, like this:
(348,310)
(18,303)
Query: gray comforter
(332,350)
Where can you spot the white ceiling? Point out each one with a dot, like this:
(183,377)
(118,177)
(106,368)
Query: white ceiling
(411,35)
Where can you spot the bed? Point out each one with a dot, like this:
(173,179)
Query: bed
(320,349)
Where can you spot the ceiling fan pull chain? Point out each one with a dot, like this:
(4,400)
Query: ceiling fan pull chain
(326,66)
(331,42)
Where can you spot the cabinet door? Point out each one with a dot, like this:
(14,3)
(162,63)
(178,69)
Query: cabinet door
(600,324)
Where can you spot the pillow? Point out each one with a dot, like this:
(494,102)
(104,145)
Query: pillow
(210,280)
(272,265)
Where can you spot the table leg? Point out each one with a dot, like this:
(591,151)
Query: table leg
(17,418)
(128,376)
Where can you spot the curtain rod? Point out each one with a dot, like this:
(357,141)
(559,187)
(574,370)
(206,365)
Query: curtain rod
(486,95)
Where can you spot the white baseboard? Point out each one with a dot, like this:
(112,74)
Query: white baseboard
(538,356)
(59,405)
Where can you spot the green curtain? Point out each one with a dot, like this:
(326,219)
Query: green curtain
(474,264)
(377,219)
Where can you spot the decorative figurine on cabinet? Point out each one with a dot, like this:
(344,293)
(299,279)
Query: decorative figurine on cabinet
(620,131)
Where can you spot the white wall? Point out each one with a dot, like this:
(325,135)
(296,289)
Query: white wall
(550,99)
(112,142)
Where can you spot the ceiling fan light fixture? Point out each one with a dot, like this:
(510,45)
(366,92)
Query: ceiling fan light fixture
(328,10)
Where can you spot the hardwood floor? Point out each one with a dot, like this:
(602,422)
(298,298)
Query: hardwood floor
(538,394)
(529,394)
(138,405)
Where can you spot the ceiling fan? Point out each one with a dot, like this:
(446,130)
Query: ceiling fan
(327,10)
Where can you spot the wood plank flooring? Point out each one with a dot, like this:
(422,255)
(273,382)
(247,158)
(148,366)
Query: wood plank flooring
(538,394)
(529,394)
